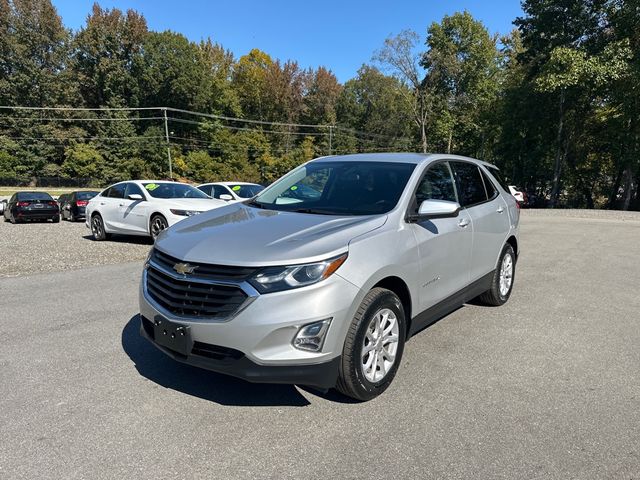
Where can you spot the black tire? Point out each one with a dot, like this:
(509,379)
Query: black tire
(12,219)
(56,219)
(352,380)
(156,225)
(97,228)
(494,296)
(71,217)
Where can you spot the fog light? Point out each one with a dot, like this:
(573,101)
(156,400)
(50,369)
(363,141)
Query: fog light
(311,336)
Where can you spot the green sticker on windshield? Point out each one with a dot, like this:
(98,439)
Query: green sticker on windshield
(151,186)
(295,187)
(236,188)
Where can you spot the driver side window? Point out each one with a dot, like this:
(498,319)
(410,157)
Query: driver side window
(436,184)
(133,188)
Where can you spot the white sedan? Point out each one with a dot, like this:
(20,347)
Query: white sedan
(144,207)
(231,191)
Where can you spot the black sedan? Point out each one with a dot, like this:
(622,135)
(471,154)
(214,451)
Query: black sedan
(74,204)
(24,206)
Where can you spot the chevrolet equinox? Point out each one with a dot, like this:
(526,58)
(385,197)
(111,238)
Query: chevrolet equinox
(321,278)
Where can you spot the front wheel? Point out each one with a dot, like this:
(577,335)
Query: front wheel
(158,224)
(502,280)
(373,347)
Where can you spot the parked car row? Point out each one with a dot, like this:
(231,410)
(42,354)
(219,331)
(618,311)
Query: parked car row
(141,208)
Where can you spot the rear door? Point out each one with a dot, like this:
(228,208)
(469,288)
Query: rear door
(488,211)
(444,244)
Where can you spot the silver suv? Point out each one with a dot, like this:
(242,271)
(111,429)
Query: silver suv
(321,278)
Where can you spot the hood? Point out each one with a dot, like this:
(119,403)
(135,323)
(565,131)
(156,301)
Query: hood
(199,204)
(240,235)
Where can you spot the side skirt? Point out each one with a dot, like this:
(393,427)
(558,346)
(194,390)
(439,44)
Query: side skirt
(449,304)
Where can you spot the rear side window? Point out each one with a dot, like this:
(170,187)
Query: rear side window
(117,191)
(497,174)
(436,184)
(470,185)
(489,186)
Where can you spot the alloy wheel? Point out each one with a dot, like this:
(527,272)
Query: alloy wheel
(380,345)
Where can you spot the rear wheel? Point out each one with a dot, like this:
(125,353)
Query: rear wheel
(97,228)
(502,281)
(56,219)
(158,224)
(71,217)
(373,347)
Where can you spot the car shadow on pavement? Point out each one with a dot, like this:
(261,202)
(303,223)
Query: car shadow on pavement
(222,389)
(138,240)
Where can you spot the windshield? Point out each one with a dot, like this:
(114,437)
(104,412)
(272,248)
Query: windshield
(246,191)
(173,190)
(85,195)
(33,196)
(338,188)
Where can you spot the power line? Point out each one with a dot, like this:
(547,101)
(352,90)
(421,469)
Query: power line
(231,127)
(94,119)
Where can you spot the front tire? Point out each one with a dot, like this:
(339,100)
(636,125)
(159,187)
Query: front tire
(502,280)
(157,224)
(97,228)
(373,347)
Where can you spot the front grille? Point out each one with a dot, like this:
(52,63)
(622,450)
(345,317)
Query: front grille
(184,297)
(205,270)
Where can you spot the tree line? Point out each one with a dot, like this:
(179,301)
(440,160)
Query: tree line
(555,103)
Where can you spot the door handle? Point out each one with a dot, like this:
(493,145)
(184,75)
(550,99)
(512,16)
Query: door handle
(500,209)
(101,203)
(121,204)
(463,222)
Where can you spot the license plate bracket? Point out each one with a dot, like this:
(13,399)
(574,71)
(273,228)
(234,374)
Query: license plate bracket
(174,336)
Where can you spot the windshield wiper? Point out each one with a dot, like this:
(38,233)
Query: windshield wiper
(253,203)
(312,210)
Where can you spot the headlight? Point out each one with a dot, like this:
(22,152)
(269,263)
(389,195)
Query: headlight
(276,279)
(184,213)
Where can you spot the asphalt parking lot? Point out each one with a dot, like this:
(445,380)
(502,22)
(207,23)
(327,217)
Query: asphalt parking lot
(547,386)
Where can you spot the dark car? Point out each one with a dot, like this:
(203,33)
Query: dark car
(24,206)
(62,199)
(74,205)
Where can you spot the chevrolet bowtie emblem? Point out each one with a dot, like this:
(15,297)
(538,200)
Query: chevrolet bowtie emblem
(184,268)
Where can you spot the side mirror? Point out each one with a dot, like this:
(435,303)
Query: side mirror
(226,197)
(135,196)
(437,209)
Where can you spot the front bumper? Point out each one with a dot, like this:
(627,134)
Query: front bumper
(320,375)
(261,334)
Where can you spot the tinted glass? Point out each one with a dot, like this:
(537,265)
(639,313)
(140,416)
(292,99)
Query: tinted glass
(173,190)
(489,186)
(117,191)
(219,190)
(469,183)
(436,184)
(205,189)
(497,174)
(33,196)
(85,195)
(246,191)
(338,188)
(133,188)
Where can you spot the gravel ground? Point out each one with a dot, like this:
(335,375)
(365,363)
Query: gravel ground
(28,248)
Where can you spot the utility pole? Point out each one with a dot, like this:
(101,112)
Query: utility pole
(166,134)
(330,137)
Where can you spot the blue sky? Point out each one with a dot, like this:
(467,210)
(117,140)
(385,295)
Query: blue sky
(340,35)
